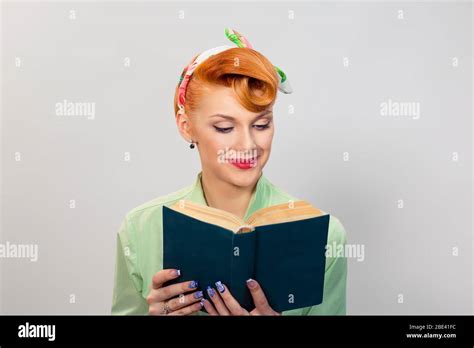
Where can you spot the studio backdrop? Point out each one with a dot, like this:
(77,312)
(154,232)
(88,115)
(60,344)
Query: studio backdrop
(378,132)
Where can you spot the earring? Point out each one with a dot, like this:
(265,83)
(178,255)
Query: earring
(192,144)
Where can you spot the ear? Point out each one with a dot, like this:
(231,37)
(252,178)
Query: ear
(184,126)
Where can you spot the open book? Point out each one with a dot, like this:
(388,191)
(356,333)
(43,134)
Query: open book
(281,246)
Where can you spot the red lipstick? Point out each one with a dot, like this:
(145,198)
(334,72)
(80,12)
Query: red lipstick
(248,164)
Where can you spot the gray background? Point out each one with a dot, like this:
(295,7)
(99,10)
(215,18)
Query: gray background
(336,109)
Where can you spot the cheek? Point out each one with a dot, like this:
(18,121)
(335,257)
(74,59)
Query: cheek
(264,139)
(210,143)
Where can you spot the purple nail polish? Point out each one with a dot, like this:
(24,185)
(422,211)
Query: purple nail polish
(198,294)
(194,284)
(210,291)
(220,287)
(177,272)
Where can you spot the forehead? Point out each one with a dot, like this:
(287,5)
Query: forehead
(223,100)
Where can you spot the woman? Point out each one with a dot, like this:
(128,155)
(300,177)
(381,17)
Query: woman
(224,106)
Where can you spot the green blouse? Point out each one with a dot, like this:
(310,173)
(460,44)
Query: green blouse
(139,252)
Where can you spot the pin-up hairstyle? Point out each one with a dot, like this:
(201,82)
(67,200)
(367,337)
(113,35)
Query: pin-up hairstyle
(253,78)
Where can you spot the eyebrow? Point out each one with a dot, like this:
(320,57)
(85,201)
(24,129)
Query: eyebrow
(233,118)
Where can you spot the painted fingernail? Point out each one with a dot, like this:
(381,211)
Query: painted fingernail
(198,294)
(251,283)
(202,303)
(220,287)
(210,291)
(194,284)
(177,272)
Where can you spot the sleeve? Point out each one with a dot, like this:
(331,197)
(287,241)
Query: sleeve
(334,296)
(127,296)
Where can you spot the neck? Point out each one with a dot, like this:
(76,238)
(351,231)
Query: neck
(225,196)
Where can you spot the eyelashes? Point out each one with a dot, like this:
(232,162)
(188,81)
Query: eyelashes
(223,130)
(262,126)
(259,127)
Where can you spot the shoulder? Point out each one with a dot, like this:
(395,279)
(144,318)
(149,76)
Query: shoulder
(150,212)
(337,232)
(336,242)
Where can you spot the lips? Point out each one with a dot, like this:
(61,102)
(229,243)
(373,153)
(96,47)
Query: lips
(247,164)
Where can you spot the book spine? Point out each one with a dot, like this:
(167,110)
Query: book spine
(243,267)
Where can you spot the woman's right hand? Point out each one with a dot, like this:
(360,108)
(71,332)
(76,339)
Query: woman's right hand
(171,299)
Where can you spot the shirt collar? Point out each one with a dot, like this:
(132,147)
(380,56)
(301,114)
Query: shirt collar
(258,200)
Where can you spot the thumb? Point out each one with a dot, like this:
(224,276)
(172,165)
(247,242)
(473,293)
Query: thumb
(259,299)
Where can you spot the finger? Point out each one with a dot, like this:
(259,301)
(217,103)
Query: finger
(255,312)
(163,276)
(156,309)
(217,301)
(210,308)
(229,300)
(196,307)
(259,298)
(167,292)
(185,300)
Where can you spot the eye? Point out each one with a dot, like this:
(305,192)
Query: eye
(223,130)
(262,126)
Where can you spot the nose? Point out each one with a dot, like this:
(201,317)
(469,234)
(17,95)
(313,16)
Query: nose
(246,141)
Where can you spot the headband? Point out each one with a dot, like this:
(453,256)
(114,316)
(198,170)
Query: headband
(240,41)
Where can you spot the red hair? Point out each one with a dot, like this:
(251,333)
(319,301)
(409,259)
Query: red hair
(250,74)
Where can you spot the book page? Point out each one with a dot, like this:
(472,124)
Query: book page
(210,215)
(285,212)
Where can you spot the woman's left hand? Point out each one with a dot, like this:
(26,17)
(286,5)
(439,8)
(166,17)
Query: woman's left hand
(223,303)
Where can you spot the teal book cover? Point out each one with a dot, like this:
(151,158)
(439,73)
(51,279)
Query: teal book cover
(283,249)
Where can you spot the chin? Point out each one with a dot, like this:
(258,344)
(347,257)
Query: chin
(243,177)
